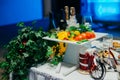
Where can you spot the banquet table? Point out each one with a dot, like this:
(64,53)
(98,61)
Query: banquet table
(48,72)
(69,69)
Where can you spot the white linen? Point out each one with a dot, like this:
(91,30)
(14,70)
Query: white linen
(46,72)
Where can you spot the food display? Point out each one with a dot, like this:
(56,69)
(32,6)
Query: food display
(70,29)
(74,33)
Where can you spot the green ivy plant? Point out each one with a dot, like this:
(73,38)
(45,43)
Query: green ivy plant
(24,51)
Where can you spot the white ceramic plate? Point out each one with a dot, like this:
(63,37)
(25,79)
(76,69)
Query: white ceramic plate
(98,35)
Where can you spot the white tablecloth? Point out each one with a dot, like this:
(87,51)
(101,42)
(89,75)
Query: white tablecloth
(46,72)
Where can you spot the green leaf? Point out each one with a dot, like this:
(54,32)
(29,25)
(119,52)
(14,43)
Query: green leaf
(79,42)
(21,72)
(20,24)
(21,46)
(54,61)
(71,28)
(4,64)
(25,54)
(49,51)
(53,35)
(29,42)
(38,34)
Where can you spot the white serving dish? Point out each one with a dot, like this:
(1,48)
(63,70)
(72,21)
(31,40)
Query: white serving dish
(73,48)
(98,35)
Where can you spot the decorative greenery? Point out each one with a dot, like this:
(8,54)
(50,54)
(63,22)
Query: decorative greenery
(82,28)
(26,50)
(55,53)
(29,49)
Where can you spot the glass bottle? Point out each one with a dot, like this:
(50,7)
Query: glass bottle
(52,24)
(62,22)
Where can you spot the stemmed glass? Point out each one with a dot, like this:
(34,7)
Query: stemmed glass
(107,41)
(87,20)
(107,44)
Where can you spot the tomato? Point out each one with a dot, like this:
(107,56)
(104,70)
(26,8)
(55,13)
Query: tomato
(84,36)
(88,35)
(78,38)
(93,34)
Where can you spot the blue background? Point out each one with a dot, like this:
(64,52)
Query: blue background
(14,11)
(103,10)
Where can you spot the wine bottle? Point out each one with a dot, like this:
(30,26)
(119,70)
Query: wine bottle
(62,22)
(52,25)
(72,20)
(72,11)
(66,13)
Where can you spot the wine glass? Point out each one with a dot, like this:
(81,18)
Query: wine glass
(107,41)
(87,20)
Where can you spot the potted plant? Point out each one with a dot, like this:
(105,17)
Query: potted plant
(24,51)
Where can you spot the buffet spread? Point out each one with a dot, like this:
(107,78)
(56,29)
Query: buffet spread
(75,60)
(89,55)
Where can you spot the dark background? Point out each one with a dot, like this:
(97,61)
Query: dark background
(59,4)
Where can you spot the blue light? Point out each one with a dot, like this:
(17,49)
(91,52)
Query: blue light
(104,10)
(107,10)
(104,1)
